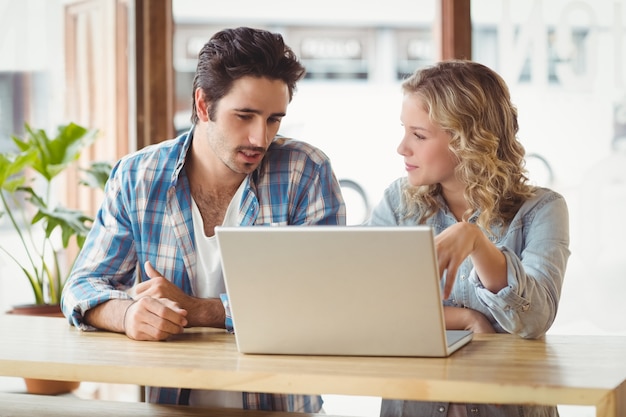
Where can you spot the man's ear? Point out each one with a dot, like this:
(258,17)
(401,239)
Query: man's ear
(202,106)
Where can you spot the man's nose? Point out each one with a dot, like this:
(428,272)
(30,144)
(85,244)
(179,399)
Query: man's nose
(258,135)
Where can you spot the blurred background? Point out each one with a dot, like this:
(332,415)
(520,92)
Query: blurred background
(564,61)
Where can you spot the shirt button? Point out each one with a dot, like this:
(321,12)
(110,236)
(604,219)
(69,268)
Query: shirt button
(463,277)
(474,410)
(441,409)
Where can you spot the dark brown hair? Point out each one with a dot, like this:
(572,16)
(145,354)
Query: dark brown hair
(234,53)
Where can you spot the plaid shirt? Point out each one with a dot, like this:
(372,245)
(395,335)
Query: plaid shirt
(146,215)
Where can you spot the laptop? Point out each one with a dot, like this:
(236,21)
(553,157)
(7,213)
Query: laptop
(336,290)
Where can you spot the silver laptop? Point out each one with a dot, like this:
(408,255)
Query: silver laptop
(336,290)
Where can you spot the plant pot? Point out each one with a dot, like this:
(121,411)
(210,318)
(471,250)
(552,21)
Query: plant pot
(42,310)
(44,386)
(49,386)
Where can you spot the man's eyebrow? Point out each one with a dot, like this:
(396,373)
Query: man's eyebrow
(254,111)
(247,110)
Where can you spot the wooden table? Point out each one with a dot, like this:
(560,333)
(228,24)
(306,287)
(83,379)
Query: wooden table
(573,370)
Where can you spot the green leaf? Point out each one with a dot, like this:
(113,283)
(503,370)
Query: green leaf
(71,222)
(32,278)
(55,154)
(12,167)
(47,156)
(96,175)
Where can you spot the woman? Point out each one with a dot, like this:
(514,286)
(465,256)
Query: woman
(502,244)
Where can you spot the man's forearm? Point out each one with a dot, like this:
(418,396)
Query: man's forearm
(202,312)
(108,315)
(206,312)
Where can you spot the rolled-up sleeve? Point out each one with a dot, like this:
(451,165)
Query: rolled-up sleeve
(528,305)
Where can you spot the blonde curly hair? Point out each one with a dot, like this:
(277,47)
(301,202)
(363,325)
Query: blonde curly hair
(472,103)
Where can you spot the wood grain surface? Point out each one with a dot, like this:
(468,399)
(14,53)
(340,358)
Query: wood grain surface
(575,370)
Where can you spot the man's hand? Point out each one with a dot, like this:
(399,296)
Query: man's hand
(201,312)
(144,318)
(160,287)
(149,318)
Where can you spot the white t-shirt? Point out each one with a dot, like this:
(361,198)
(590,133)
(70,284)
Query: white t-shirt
(209,283)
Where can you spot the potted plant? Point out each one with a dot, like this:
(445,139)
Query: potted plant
(43,227)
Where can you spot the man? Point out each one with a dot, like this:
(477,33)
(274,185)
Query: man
(162,204)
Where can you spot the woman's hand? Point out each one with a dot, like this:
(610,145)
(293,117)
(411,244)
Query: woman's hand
(464,239)
(453,245)
(458,318)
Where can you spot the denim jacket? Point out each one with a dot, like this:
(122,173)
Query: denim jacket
(536,246)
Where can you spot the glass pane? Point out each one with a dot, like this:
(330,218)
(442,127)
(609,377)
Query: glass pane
(349,103)
(31,62)
(28,91)
(564,62)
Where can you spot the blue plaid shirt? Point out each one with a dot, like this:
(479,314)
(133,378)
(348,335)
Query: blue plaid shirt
(146,215)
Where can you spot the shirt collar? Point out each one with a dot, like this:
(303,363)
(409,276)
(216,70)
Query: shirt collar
(185,145)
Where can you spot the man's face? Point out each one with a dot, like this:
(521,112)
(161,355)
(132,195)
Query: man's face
(246,120)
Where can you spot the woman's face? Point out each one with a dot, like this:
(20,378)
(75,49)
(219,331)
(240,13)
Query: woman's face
(424,146)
